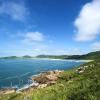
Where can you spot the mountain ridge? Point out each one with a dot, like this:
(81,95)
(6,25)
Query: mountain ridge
(88,56)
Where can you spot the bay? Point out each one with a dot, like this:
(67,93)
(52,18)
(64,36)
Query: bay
(17,72)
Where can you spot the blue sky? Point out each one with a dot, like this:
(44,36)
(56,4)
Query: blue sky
(33,27)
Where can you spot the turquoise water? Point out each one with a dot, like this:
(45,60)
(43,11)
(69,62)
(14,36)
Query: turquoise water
(17,72)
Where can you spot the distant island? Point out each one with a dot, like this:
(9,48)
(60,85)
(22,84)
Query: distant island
(89,56)
(16,57)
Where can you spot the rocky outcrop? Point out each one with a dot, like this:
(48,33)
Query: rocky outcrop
(47,78)
(82,69)
(42,86)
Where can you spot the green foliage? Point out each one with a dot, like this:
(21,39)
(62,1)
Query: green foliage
(89,56)
(92,55)
(70,86)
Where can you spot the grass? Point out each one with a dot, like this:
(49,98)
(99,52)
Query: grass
(70,86)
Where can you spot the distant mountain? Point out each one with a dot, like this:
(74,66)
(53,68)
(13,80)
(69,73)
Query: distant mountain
(10,57)
(27,56)
(91,56)
(52,56)
(15,57)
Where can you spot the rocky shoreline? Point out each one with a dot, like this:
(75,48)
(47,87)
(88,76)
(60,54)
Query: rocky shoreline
(42,80)
(47,78)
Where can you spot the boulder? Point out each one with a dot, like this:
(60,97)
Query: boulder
(80,70)
(51,77)
(47,76)
(42,86)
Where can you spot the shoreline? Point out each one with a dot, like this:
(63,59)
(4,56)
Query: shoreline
(76,60)
(35,83)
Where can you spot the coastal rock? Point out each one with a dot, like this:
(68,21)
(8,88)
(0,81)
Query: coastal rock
(42,86)
(47,77)
(7,91)
(51,77)
(80,70)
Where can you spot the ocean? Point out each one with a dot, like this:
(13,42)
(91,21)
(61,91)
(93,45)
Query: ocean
(17,72)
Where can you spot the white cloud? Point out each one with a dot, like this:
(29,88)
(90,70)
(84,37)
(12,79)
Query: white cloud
(96,46)
(15,10)
(88,22)
(34,37)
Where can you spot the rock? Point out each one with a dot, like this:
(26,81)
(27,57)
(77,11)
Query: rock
(51,77)
(40,79)
(42,86)
(86,66)
(80,70)
(47,76)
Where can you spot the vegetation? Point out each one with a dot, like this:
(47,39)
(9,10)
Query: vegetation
(70,86)
(90,56)
(52,56)
(10,57)
(27,56)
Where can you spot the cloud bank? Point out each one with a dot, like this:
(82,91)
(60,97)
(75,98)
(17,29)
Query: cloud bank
(88,22)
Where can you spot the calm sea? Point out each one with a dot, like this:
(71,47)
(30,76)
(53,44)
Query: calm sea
(18,71)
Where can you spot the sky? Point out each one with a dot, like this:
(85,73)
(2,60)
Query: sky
(53,27)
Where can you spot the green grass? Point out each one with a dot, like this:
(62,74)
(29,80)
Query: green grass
(70,86)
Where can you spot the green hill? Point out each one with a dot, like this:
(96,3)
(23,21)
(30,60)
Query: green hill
(27,56)
(92,55)
(70,86)
(89,56)
(10,57)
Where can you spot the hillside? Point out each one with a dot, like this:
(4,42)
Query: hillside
(90,56)
(81,83)
(52,56)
